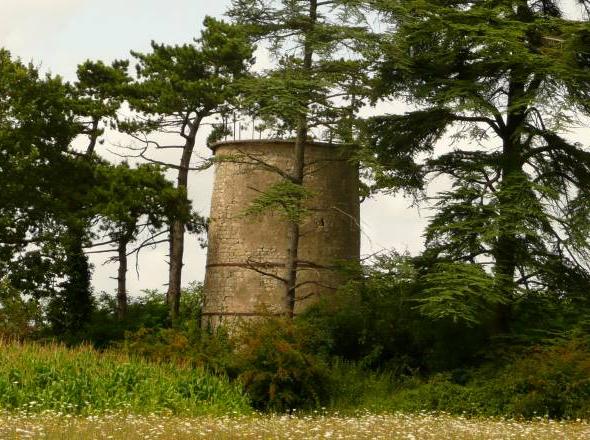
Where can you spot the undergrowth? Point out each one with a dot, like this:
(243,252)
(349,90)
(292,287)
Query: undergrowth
(552,382)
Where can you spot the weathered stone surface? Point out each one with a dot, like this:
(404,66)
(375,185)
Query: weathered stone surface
(238,243)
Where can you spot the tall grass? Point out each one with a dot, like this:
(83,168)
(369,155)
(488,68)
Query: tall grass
(354,388)
(83,381)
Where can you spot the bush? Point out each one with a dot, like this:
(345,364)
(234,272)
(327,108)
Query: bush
(552,381)
(148,311)
(187,344)
(544,381)
(278,364)
(19,317)
(374,320)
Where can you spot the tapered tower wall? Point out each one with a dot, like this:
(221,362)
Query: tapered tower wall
(245,251)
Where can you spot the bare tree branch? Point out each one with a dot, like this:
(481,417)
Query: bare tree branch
(251,264)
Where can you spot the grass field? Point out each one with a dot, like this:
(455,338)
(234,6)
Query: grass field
(51,425)
(53,392)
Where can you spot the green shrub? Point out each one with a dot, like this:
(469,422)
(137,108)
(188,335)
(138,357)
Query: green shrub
(38,377)
(186,344)
(19,317)
(543,381)
(552,381)
(277,363)
(146,311)
(375,320)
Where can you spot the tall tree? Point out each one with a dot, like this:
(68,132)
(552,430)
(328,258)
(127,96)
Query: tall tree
(177,88)
(42,184)
(133,204)
(99,91)
(508,77)
(313,86)
(95,99)
(49,186)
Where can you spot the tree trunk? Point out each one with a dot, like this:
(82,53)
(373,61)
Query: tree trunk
(93,136)
(122,281)
(293,227)
(177,228)
(175,268)
(122,274)
(506,243)
(297,176)
(511,169)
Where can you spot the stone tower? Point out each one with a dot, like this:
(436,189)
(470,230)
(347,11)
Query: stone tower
(244,249)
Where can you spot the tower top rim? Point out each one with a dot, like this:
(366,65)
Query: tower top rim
(282,142)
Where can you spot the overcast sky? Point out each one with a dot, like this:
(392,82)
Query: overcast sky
(57,35)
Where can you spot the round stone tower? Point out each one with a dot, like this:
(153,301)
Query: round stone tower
(246,252)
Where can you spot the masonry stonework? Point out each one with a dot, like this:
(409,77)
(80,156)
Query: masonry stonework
(244,249)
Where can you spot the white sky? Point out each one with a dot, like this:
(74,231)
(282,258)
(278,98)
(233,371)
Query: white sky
(57,35)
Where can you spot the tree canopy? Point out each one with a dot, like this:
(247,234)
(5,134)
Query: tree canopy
(505,79)
(177,88)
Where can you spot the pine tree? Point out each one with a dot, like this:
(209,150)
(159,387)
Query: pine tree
(133,204)
(177,88)
(508,77)
(314,86)
(95,98)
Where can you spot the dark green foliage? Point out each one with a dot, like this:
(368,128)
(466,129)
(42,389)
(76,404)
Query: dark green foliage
(70,309)
(542,381)
(458,292)
(106,329)
(53,196)
(126,194)
(19,317)
(147,317)
(43,220)
(279,365)
(397,140)
(499,77)
(381,323)
(99,94)
(189,79)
